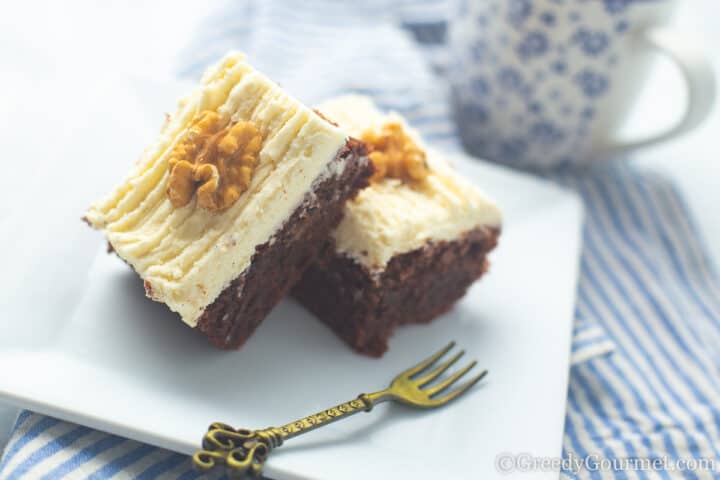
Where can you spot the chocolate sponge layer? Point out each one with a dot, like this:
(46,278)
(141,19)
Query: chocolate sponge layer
(279,263)
(364,308)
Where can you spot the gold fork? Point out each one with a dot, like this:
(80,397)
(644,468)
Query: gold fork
(244,451)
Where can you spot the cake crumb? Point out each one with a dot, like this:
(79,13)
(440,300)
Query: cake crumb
(321,115)
(148,289)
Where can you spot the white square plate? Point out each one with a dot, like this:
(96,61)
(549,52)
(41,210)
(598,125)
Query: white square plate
(79,340)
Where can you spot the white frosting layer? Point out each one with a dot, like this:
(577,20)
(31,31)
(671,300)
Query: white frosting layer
(188,256)
(391,217)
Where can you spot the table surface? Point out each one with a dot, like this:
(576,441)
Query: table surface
(692,160)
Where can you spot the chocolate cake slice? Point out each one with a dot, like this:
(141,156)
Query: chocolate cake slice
(408,246)
(234,200)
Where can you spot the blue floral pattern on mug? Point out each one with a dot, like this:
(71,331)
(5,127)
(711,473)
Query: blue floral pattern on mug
(593,43)
(519,11)
(593,84)
(616,6)
(535,44)
(529,76)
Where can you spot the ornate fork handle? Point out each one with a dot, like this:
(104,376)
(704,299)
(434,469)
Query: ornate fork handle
(244,451)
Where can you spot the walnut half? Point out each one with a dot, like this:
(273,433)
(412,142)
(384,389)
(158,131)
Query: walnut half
(395,155)
(215,160)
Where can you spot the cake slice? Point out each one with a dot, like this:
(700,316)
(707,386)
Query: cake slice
(221,215)
(408,246)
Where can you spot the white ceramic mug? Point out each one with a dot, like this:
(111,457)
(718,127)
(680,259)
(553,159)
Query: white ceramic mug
(548,83)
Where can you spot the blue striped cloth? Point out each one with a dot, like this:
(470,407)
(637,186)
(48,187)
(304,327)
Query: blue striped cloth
(644,379)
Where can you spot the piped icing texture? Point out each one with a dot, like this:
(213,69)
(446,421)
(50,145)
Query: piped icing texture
(188,249)
(394,215)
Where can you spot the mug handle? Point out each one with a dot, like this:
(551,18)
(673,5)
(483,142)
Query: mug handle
(699,78)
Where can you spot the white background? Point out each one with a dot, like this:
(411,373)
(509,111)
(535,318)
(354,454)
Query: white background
(86,45)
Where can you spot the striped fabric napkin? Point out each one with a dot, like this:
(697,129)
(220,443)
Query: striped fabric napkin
(644,381)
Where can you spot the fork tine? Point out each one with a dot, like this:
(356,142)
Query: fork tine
(427,362)
(439,370)
(460,390)
(445,384)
